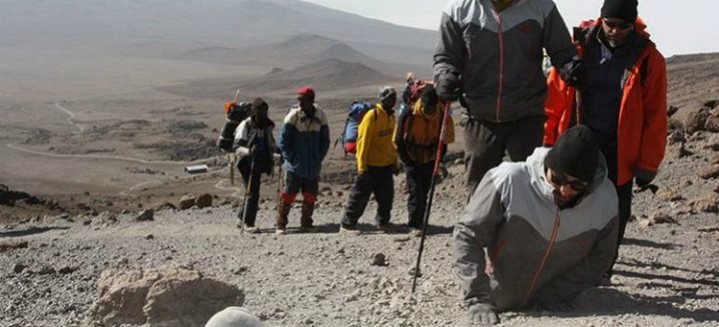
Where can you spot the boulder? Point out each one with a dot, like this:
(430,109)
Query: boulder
(168,296)
(204,201)
(712,123)
(696,121)
(146,215)
(709,204)
(187,202)
(709,172)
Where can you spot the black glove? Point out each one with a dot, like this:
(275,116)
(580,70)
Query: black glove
(551,303)
(481,314)
(642,183)
(574,73)
(448,87)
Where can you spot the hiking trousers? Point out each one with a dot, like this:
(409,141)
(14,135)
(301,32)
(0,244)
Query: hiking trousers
(250,178)
(624,195)
(419,181)
(375,180)
(487,142)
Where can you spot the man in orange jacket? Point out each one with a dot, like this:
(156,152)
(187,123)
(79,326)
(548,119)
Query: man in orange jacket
(624,101)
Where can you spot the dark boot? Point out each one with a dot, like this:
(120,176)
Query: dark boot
(306,219)
(282,212)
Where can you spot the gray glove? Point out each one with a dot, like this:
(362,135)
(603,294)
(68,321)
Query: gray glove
(482,314)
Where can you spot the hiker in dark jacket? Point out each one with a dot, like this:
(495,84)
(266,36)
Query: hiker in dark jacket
(304,141)
(416,139)
(490,54)
(255,148)
(549,226)
(624,101)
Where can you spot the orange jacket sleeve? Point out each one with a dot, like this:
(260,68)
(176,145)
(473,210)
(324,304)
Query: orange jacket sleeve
(654,133)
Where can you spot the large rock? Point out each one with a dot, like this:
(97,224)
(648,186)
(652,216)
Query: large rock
(712,123)
(204,201)
(159,297)
(696,120)
(187,202)
(709,172)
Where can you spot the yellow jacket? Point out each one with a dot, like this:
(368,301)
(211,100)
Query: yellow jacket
(374,139)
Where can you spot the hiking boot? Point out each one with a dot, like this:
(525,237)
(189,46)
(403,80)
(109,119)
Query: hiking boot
(282,212)
(279,231)
(415,232)
(306,218)
(387,228)
(252,229)
(352,231)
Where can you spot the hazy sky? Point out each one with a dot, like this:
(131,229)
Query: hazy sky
(677,27)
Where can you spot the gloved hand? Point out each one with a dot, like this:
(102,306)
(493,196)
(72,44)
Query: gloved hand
(448,87)
(482,314)
(574,73)
(642,182)
(395,169)
(551,303)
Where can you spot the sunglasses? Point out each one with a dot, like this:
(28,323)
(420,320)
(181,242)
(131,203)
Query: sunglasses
(561,180)
(616,25)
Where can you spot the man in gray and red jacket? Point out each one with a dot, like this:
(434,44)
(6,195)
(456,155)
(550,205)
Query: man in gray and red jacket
(489,54)
(549,226)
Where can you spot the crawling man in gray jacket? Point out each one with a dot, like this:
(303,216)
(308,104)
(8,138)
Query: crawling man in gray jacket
(549,227)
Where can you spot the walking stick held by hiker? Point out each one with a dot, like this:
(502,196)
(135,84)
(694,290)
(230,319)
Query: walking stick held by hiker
(435,172)
(248,189)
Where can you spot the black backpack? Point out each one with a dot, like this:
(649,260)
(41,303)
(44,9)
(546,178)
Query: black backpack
(235,114)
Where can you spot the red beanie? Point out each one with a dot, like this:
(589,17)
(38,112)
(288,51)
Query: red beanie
(306,91)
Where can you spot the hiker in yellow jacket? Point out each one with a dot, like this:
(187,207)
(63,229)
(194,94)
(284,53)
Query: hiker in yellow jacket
(416,139)
(376,164)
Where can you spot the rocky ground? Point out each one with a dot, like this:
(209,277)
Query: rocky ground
(666,275)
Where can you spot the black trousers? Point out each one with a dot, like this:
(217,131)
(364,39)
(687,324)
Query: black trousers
(419,181)
(378,181)
(624,195)
(251,178)
(487,142)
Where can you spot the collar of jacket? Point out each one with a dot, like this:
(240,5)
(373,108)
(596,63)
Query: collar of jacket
(540,184)
(389,112)
(303,116)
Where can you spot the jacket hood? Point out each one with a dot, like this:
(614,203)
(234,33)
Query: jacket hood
(535,164)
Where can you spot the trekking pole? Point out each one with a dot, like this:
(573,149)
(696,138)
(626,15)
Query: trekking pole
(435,172)
(248,189)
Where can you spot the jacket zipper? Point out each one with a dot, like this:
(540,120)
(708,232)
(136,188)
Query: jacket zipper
(501,64)
(550,247)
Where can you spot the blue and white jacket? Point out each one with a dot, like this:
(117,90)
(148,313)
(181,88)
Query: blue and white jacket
(304,142)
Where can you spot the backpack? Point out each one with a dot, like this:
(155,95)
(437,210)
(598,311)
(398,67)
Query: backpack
(355,113)
(235,114)
(412,93)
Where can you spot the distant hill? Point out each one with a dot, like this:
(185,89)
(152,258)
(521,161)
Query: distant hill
(328,75)
(166,27)
(291,52)
(693,80)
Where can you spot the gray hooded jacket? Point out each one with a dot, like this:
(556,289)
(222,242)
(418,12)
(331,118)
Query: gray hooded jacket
(532,245)
(499,56)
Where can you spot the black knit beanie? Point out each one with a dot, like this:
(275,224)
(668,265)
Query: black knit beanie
(575,154)
(623,9)
(429,96)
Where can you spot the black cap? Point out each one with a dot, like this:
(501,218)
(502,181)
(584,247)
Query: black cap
(575,154)
(622,9)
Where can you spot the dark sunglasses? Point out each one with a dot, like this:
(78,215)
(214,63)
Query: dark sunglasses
(617,25)
(561,180)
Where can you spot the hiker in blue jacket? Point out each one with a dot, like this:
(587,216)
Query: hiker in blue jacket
(304,141)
